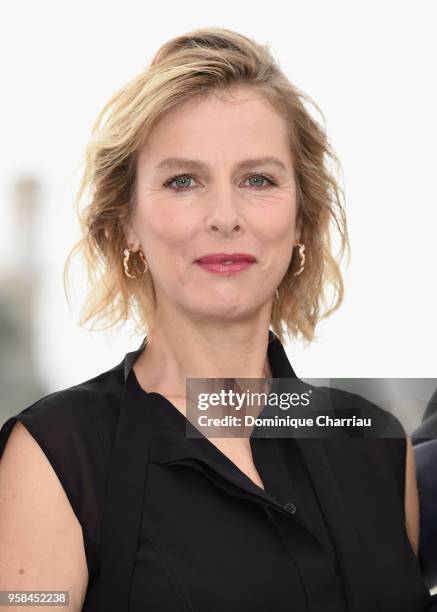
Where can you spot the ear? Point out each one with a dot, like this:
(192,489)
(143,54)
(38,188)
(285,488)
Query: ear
(131,237)
(298,229)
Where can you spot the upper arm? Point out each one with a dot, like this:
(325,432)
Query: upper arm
(412,510)
(41,542)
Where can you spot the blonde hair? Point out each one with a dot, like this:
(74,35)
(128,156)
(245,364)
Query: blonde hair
(203,62)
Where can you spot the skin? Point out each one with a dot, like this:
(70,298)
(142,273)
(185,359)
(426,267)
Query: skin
(412,508)
(206,325)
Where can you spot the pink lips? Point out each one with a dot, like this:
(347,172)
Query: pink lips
(226,263)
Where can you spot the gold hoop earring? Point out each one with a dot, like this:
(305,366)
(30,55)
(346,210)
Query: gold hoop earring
(302,258)
(127,253)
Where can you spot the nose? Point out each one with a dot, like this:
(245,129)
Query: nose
(224,210)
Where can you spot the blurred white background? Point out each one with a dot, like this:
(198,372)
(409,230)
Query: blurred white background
(371,68)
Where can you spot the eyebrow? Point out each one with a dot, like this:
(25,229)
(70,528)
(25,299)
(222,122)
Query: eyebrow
(195,164)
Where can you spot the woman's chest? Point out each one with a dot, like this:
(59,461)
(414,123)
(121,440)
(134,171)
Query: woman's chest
(201,528)
(209,539)
(238,451)
(205,543)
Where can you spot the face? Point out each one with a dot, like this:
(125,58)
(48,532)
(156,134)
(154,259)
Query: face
(218,205)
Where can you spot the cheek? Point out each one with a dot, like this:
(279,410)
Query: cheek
(168,228)
(277,225)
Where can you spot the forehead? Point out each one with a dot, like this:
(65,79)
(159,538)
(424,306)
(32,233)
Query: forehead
(227,125)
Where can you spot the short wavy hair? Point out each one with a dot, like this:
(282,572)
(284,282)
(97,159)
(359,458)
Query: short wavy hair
(200,63)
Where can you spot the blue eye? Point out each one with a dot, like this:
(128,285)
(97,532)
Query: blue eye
(179,177)
(262,177)
(185,187)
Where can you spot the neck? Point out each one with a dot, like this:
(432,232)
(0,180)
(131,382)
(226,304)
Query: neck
(175,353)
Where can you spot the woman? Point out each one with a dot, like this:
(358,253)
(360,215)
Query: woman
(209,213)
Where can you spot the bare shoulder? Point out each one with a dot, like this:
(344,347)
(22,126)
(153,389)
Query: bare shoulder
(41,542)
(411,498)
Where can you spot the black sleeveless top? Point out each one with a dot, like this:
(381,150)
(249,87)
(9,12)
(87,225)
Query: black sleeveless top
(170,523)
